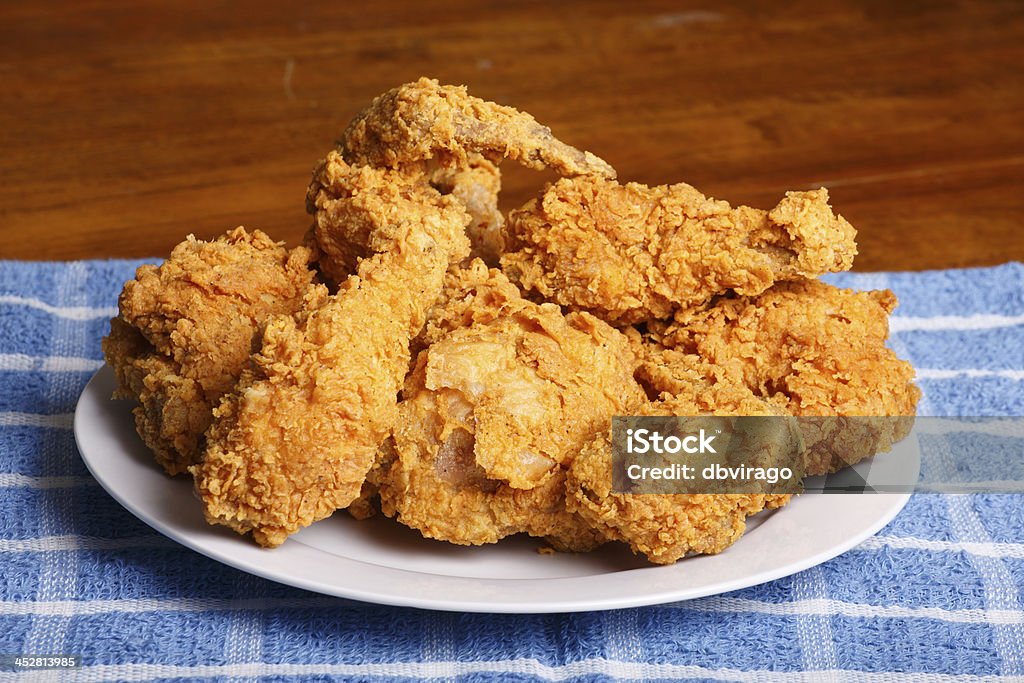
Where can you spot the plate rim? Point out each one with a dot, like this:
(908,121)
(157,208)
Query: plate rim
(241,554)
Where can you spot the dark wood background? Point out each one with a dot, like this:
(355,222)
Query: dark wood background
(125,127)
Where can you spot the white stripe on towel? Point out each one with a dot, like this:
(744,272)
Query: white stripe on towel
(829,607)
(993,426)
(527,667)
(131,606)
(980,321)
(936,373)
(990,549)
(10,480)
(809,607)
(69,312)
(57,421)
(23,362)
(814,633)
(68,543)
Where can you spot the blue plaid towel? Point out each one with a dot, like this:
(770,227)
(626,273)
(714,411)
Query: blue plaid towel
(936,596)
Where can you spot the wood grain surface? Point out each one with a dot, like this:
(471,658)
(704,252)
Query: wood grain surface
(126,126)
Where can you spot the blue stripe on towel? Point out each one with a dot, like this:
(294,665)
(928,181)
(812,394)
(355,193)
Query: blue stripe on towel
(991,349)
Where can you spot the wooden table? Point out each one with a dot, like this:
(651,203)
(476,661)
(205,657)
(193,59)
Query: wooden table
(125,128)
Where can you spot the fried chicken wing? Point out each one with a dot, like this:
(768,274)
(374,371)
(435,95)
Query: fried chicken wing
(632,253)
(501,399)
(456,140)
(424,120)
(295,440)
(184,332)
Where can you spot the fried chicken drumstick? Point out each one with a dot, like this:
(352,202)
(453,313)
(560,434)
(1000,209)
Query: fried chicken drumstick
(294,441)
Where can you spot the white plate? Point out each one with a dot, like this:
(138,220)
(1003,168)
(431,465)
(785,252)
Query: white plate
(383,562)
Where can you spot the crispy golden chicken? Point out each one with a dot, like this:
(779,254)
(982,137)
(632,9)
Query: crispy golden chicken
(457,141)
(503,396)
(185,328)
(424,120)
(477,184)
(472,295)
(294,441)
(632,253)
(667,526)
(344,226)
(810,348)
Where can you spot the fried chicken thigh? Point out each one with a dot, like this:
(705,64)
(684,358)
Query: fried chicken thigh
(632,253)
(184,332)
(295,440)
(666,526)
(499,403)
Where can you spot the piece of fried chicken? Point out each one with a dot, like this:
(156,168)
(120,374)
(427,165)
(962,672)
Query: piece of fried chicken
(184,332)
(424,120)
(504,394)
(456,141)
(295,440)
(632,253)
(812,349)
(341,229)
(665,527)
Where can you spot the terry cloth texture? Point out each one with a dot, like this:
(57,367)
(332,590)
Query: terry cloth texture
(935,596)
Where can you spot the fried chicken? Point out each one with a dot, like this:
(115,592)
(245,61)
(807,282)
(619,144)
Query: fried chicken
(294,441)
(342,228)
(503,396)
(456,141)
(185,328)
(424,120)
(812,349)
(632,253)
(472,295)
(476,185)
(667,526)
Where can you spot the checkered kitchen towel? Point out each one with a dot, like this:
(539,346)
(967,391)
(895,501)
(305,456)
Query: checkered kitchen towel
(936,596)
